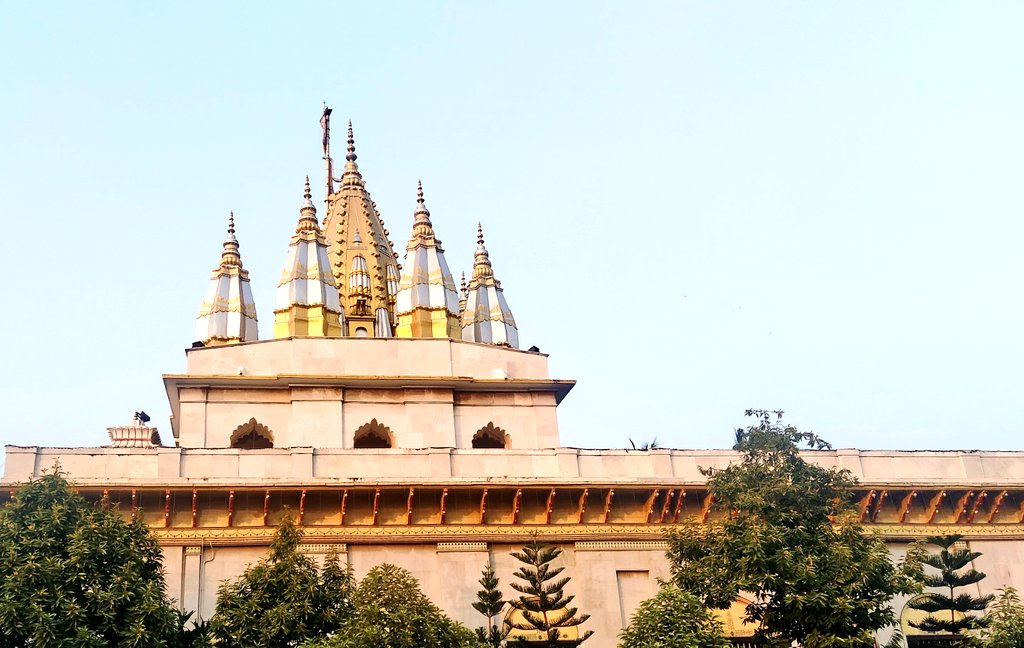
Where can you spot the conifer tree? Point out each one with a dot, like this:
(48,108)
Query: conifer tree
(489,603)
(545,605)
(954,572)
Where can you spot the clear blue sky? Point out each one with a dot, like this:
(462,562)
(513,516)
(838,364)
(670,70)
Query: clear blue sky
(695,208)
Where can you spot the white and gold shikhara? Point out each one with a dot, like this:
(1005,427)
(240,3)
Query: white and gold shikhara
(427,304)
(344,280)
(228,312)
(486,316)
(307,297)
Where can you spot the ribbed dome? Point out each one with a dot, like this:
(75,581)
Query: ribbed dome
(228,312)
(486,316)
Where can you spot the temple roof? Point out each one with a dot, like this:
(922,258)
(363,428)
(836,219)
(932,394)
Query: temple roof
(228,312)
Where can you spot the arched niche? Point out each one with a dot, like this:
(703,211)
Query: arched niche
(252,435)
(373,435)
(490,436)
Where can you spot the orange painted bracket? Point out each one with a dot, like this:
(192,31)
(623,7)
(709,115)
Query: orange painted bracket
(581,506)
(649,505)
(231,507)
(608,504)
(408,506)
(302,507)
(664,507)
(376,505)
(865,505)
(977,504)
(483,507)
(680,501)
(705,510)
(878,505)
(961,506)
(997,503)
(550,506)
(266,507)
(444,503)
(515,505)
(905,506)
(195,503)
(344,505)
(934,505)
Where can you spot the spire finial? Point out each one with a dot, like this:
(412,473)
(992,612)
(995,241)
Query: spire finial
(351,156)
(462,284)
(419,191)
(481,260)
(421,217)
(230,255)
(307,213)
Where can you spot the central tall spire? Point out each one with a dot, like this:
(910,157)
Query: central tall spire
(363,260)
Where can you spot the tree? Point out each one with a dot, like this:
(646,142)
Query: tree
(646,445)
(283,599)
(672,619)
(390,611)
(789,537)
(1006,621)
(490,603)
(954,572)
(543,602)
(74,574)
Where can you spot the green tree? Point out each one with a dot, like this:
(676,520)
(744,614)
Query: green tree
(74,574)
(672,619)
(283,599)
(1006,621)
(951,614)
(789,536)
(543,602)
(490,602)
(390,611)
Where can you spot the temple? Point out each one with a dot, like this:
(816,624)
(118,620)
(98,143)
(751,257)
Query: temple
(394,416)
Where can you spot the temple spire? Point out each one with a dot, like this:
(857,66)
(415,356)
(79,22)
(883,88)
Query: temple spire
(463,294)
(307,297)
(486,316)
(228,312)
(363,260)
(427,303)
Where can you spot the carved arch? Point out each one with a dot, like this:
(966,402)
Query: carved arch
(490,436)
(373,435)
(252,435)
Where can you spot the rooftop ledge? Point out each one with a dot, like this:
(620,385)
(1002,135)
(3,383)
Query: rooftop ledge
(337,466)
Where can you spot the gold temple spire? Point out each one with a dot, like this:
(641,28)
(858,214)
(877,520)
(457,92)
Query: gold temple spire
(427,303)
(228,312)
(363,260)
(307,297)
(486,316)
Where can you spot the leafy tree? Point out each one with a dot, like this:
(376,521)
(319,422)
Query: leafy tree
(390,611)
(954,572)
(672,619)
(490,603)
(790,537)
(543,601)
(74,574)
(283,599)
(1006,621)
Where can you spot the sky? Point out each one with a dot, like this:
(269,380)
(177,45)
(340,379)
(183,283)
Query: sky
(694,207)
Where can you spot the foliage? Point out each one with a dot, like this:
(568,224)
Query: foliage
(543,602)
(954,572)
(283,599)
(390,611)
(672,619)
(74,574)
(790,537)
(646,445)
(490,603)
(1006,621)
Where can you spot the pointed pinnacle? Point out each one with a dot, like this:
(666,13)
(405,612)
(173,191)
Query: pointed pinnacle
(307,195)
(479,234)
(419,191)
(351,157)
(231,225)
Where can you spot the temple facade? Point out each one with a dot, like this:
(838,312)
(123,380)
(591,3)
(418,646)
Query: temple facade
(398,421)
